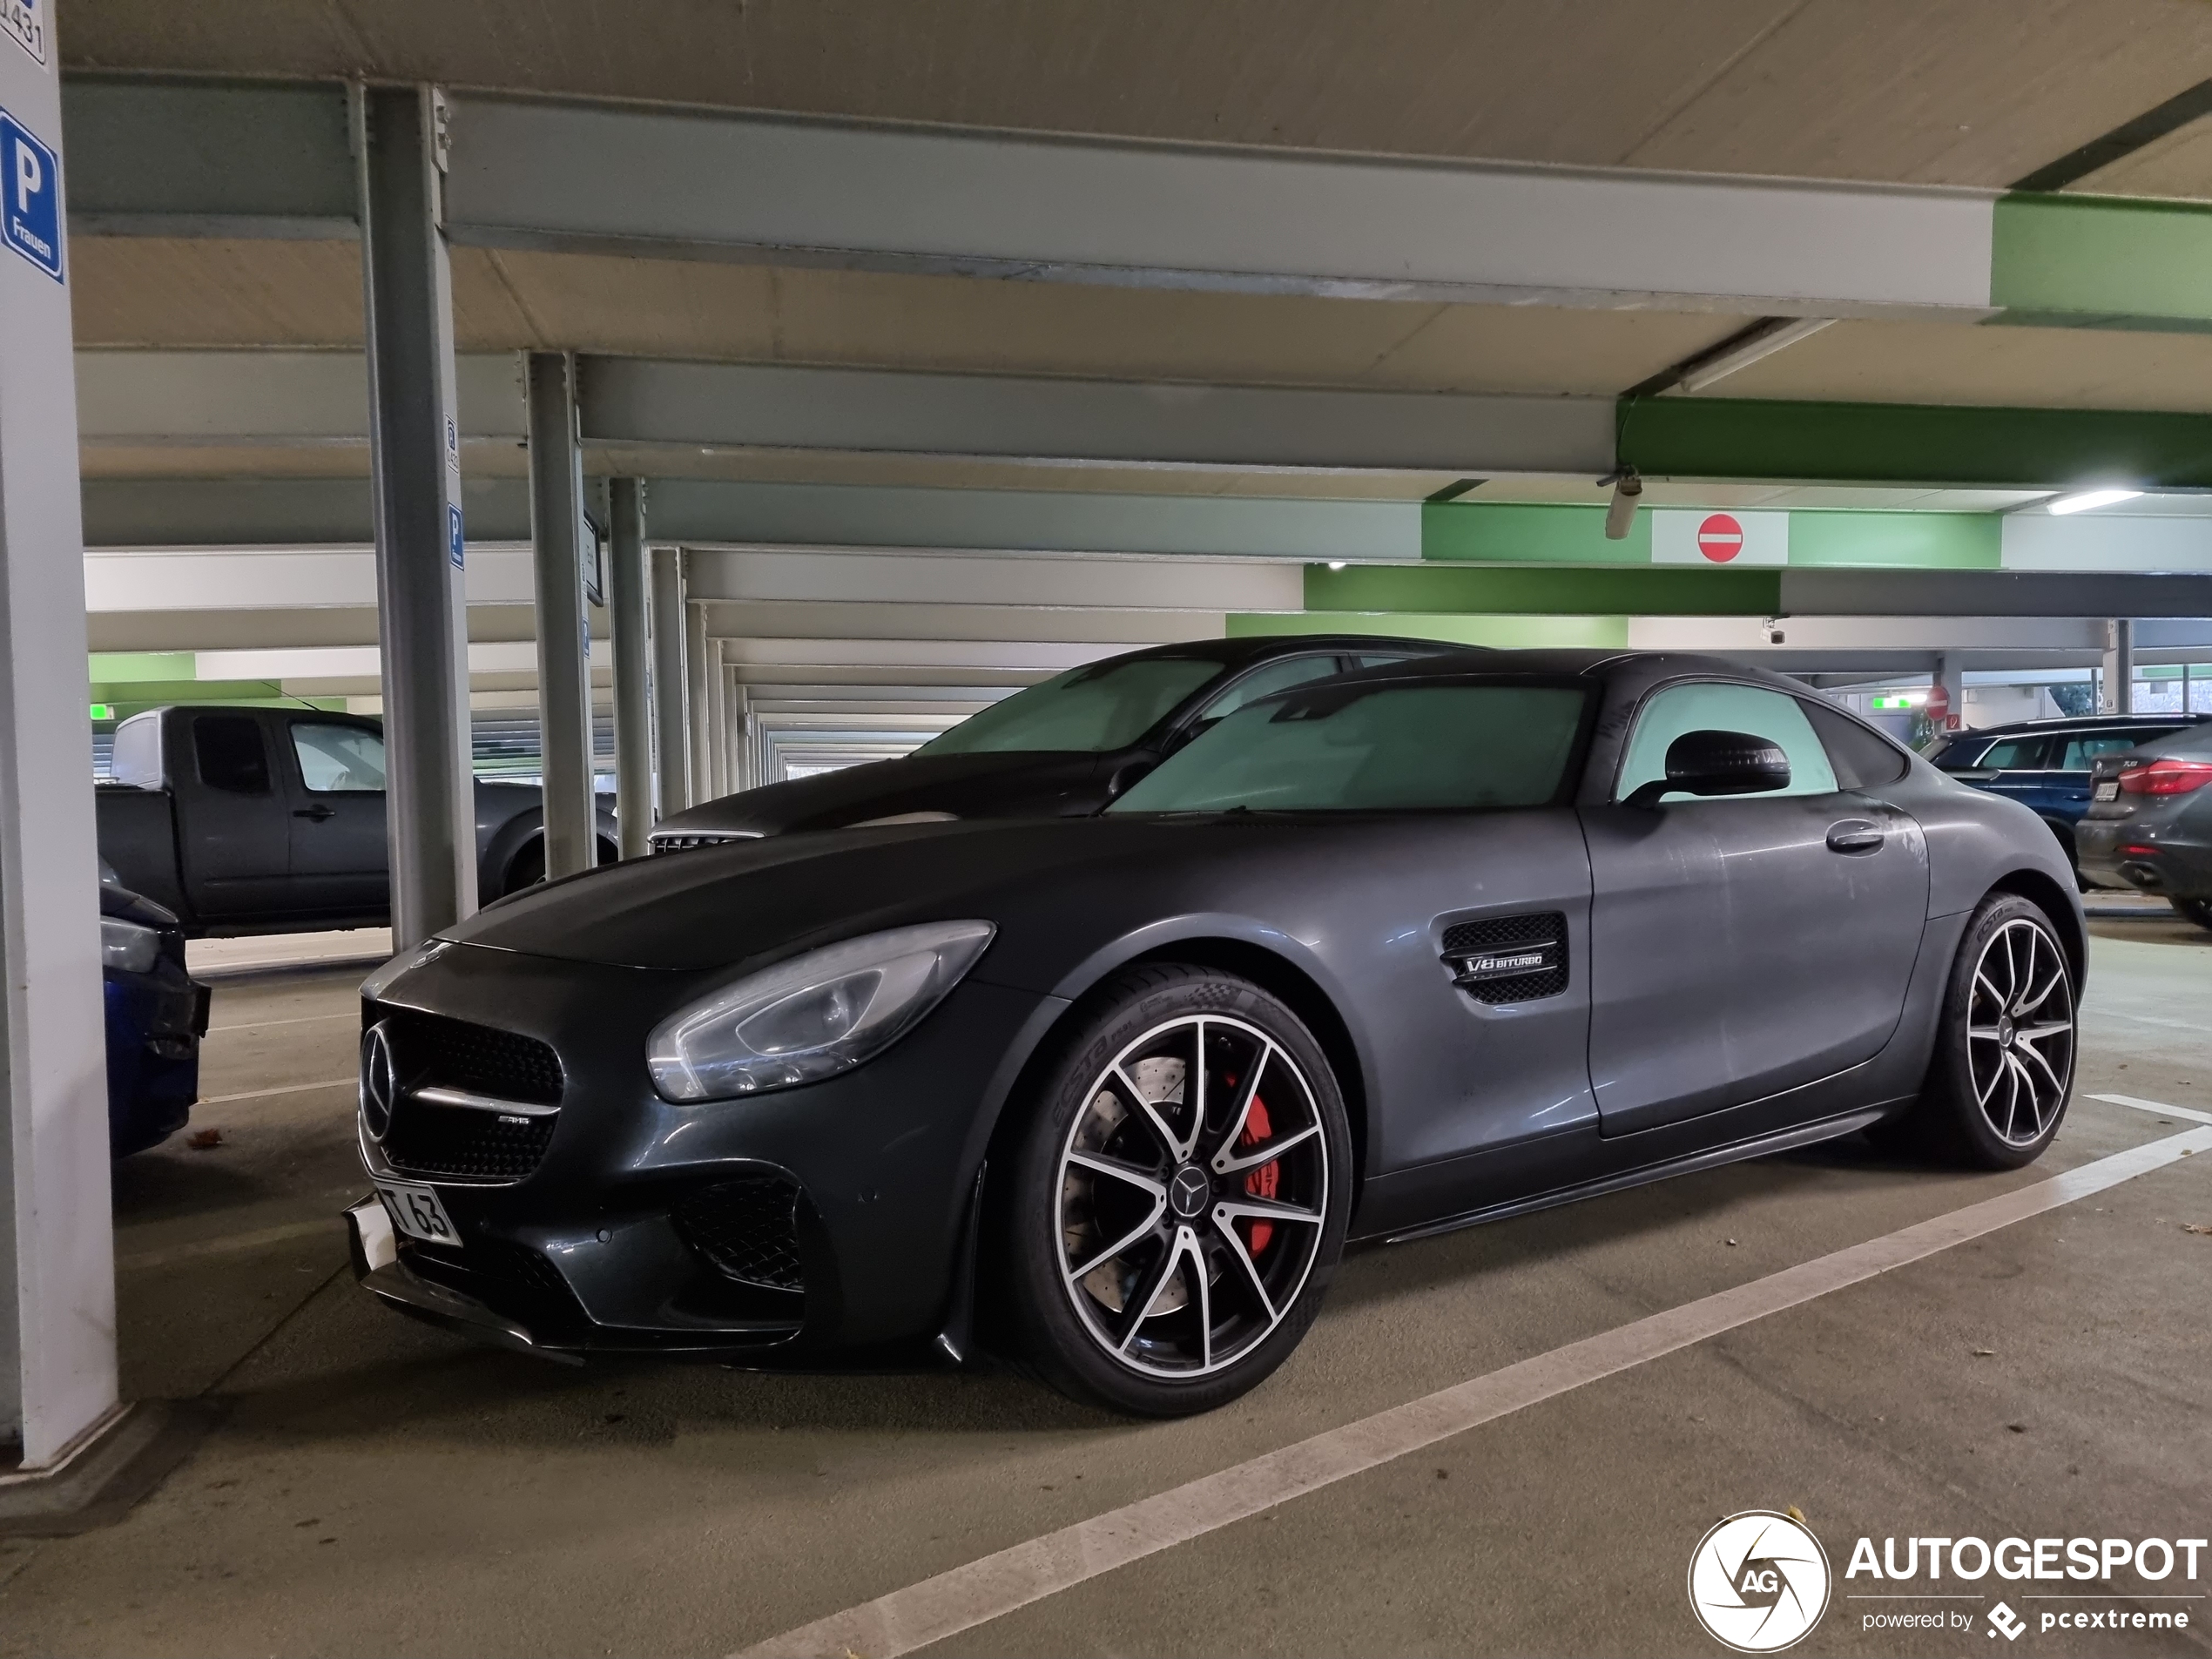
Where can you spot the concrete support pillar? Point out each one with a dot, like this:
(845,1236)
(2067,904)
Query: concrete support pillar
(717,721)
(742,775)
(632,675)
(1951,680)
(564,645)
(58,1381)
(697,682)
(671,746)
(414,464)
(2119,667)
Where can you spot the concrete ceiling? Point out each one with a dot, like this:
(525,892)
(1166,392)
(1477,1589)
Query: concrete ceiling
(1965,91)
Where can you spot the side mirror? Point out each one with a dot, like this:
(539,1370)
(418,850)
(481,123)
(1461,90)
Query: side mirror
(1127,773)
(1717,762)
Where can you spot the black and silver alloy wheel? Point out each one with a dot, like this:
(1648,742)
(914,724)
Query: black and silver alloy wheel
(2002,1071)
(2019,1031)
(1193,1189)
(1180,1197)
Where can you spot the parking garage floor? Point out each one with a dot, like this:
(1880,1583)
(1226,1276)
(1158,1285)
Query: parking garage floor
(373,1486)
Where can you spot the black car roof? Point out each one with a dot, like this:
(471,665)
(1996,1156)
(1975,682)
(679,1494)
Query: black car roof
(1254,648)
(2080,723)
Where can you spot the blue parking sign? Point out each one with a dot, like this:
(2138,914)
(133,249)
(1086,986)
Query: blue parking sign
(31,174)
(454,543)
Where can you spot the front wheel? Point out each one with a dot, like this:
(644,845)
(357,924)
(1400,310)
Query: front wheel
(1180,1197)
(2002,1073)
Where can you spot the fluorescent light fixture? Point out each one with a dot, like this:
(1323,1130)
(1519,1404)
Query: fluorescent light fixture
(1336,564)
(1621,512)
(2082,501)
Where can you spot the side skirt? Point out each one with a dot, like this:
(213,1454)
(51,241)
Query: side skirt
(1788,1140)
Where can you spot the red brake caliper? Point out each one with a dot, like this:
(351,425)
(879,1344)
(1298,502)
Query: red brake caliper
(1262,1182)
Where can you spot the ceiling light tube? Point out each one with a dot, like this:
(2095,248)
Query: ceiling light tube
(2083,500)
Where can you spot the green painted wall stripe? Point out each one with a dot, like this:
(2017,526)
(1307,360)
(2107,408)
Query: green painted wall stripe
(1513,532)
(1503,533)
(1701,437)
(1652,591)
(2101,261)
(1909,541)
(1604,633)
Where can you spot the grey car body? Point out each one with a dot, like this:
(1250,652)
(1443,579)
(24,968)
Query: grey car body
(1729,977)
(947,780)
(2149,828)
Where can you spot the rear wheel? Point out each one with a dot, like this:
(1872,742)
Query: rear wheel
(2002,1074)
(2198,910)
(1180,1197)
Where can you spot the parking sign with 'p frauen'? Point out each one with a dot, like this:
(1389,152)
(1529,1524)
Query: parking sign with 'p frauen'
(31,212)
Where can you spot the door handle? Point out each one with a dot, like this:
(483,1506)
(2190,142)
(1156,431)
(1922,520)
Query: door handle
(319,812)
(1855,835)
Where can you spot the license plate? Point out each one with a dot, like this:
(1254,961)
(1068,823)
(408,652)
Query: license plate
(2108,790)
(416,1212)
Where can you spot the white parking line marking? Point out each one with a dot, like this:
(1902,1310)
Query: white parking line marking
(304,1019)
(327,1226)
(2158,1106)
(289,1088)
(997,1584)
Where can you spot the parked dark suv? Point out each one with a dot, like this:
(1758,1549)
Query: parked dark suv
(2149,825)
(2045,764)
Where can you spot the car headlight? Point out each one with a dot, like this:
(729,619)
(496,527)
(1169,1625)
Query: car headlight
(812,1016)
(126,946)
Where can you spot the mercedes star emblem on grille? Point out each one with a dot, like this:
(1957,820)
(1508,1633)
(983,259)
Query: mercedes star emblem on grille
(379,1083)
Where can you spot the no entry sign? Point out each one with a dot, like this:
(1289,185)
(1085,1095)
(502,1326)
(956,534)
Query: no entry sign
(1719,539)
(1938,709)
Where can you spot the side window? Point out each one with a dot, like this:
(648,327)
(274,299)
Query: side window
(2013,755)
(1378,658)
(2080,753)
(1265,681)
(1861,759)
(338,757)
(228,751)
(1775,716)
(136,757)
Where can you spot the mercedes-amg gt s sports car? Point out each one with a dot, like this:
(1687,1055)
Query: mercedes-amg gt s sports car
(1384,955)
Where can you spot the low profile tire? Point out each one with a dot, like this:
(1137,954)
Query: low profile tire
(2002,1074)
(1179,1198)
(526,868)
(2198,910)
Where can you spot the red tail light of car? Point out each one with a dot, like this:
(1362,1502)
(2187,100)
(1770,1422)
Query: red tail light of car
(2167,777)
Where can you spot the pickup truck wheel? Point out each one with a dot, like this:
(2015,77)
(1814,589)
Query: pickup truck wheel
(526,868)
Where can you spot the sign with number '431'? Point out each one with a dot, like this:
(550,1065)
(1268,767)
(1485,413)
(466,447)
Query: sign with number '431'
(26,26)
(31,195)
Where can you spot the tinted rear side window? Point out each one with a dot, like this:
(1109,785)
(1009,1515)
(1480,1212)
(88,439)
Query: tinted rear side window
(2013,755)
(228,750)
(2080,753)
(1861,759)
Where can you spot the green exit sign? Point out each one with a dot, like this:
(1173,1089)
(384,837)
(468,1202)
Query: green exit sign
(1896,700)
(103,710)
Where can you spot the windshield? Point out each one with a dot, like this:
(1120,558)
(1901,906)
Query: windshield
(1351,748)
(1108,706)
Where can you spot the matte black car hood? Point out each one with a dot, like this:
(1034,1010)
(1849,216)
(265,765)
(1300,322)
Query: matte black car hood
(966,784)
(722,906)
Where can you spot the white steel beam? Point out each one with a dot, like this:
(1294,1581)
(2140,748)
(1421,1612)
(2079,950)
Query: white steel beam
(1179,584)
(228,160)
(635,402)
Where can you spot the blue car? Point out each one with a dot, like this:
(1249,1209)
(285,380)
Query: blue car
(2045,764)
(157,1013)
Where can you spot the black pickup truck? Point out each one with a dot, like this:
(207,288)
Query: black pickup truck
(258,820)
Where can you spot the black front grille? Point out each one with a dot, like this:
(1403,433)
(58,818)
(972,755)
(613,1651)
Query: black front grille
(431,1050)
(512,1279)
(465,1144)
(1501,936)
(748,1229)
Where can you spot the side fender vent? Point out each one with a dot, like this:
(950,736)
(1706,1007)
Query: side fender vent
(1508,958)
